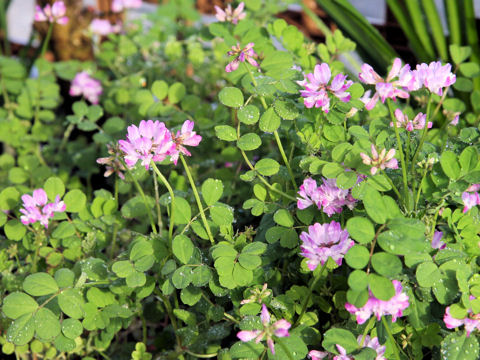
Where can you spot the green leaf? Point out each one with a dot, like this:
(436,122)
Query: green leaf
(47,325)
(176,92)
(9,198)
(284,218)
(286,109)
(160,89)
(75,200)
(64,230)
(242,276)
(342,337)
(460,53)
(136,279)
(201,276)
(123,268)
(246,350)
(357,257)
(72,328)
(182,213)
(386,264)
(457,346)
(140,250)
(40,284)
(221,214)
(21,330)
(226,133)
(182,248)
(269,121)
(249,262)
(14,230)
(212,191)
(267,167)
(293,344)
(427,274)
(468,159)
(182,277)
(361,229)
(17,304)
(249,142)
(71,303)
(381,287)
(450,165)
(248,114)
(17,175)
(231,97)
(374,205)
(63,343)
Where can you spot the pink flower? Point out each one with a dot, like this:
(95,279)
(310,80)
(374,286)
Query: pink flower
(103,27)
(52,13)
(418,123)
(112,162)
(184,137)
(242,55)
(309,194)
(379,308)
(83,84)
(388,88)
(151,141)
(373,344)
(437,242)
(382,161)
(278,328)
(343,354)
(317,87)
(324,241)
(471,322)
(433,76)
(120,5)
(36,208)
(470,200)
(230,15)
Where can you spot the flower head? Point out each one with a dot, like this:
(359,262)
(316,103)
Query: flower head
(113,162)
(241,55)
(418,123)
(36,208)
(150,141)
(309,194)
(380,161)
(437,242)
(83,84)
(317,87)
(470,199)
(103,27)
(120,5)
(257,295)
(471,321)
(52,13)
(398,80)
(433,76)
(278,328)
(373,344)
(367,342)
(324,241)
(184,137)
(317,355)
(230,15)
(379,308)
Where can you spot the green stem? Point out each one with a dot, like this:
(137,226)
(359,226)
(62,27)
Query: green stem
(144,328)
(305,304)
(172,196)
(168,307)
(424,135)
(392,184)
(142,194)
(46,40)
(157,203)
(115,226)
(419,191)
(400,150)
(367,329)
(201,356)
(197,198)
(392,339)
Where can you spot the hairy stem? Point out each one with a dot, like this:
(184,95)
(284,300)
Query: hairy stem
(172,196)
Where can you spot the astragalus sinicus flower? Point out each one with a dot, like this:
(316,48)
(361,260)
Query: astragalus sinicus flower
(278,328)
(186,136)
(434,76)
(230,15)
(257,295)
(471,321)
(470,199)
(380,161)
(418,122)
(36,208)
(150,141)
(379,308)
(120,5)
(103,27)
(83,84)
(318,87)
(323,241)
(241,55)
(113,163)
(398,80)
(52,13)
(372,343)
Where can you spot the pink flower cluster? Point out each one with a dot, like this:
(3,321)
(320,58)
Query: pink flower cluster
(400,80)
(328,197)
(120,5)
(470,197)
(380,161)
(36,208)
(52,13)
(241,55)
(229,15)
(103,27)
(324,241)
(379,308)
(437,242)
(317,87)
(368,342)
(418,122)
(278,328)
(471,322)
(152,141)
(83,84)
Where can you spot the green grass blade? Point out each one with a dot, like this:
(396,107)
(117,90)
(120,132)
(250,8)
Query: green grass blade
(472,35)
(420,26)
(453,19)
(436,28)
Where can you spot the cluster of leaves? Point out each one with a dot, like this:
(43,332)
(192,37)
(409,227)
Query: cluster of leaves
(99,281)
